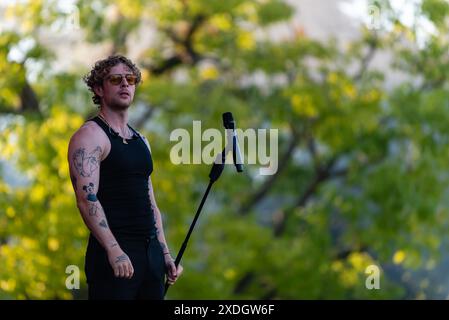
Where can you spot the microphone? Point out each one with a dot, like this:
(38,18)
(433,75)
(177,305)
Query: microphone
(229,124)
(215,172)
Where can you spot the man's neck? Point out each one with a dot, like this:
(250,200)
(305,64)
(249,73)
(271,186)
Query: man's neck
(118,120)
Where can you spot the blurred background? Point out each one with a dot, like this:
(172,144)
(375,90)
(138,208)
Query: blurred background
(358,91)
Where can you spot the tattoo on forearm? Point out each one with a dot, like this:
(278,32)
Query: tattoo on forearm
(103,224)
(121,258)
(91,196)
(115,244)
(93,209)
(86,164)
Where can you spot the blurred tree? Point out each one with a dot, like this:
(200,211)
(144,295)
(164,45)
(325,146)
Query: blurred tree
(361,169)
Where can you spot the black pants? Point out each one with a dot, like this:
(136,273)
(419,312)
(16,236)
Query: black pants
(147,282)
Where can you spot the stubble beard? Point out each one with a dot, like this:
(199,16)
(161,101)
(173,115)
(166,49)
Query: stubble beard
(119,105)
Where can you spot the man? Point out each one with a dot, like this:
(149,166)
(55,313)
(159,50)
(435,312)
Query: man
(110,165)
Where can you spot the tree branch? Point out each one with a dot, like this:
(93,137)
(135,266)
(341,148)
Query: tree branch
(323,174)
(144,118)
(269,183)
(244,282)
(119,43)
(372,46)
(188,56)
(28,99)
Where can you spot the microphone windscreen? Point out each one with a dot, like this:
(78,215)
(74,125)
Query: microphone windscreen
(228,120)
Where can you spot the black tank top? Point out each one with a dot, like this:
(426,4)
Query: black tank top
(123,186)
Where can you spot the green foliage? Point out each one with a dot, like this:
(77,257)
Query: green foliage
(363,180)
(435,10)
(273,11)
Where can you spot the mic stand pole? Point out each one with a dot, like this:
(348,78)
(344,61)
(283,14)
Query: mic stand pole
(214,174)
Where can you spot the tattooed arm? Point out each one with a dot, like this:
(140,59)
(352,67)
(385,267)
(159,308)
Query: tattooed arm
(172,273)
(86,149)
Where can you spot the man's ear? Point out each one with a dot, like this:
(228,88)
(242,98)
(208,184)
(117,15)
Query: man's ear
(98,91)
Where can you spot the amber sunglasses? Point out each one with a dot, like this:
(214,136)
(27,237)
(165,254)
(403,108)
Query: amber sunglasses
(116,79)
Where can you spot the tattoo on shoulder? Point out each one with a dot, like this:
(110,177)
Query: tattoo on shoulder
(85,164)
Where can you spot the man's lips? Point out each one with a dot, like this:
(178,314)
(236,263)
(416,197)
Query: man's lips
(124,93)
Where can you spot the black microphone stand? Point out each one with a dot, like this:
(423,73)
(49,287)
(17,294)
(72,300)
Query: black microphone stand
(214,174)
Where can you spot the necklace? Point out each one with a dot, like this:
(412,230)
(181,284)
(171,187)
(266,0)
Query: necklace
(110,128)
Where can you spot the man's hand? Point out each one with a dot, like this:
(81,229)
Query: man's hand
(120,263)
(172,273)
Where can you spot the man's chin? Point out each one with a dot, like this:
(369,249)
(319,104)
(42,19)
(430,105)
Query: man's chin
(120,105)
